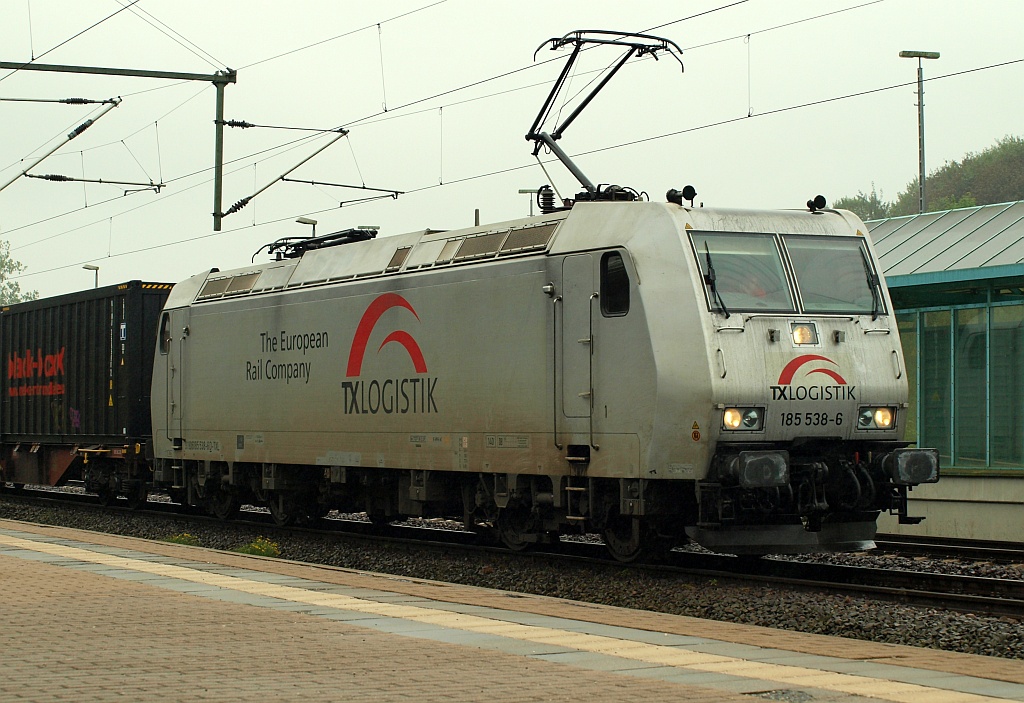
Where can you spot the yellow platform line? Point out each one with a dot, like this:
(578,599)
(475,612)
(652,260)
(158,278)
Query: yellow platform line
(664,655)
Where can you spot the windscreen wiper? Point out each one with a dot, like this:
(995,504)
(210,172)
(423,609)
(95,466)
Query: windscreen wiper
(709,279)
(876,298)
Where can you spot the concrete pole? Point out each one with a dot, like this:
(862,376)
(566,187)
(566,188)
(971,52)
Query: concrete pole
(920,136)
(920,118)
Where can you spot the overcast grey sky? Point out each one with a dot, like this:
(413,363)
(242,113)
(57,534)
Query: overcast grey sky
(737,131)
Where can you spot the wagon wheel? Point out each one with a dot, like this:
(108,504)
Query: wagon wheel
(626,538)
(514,528)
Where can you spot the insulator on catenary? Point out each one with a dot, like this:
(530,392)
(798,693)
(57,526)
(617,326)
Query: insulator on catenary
(238,206)
(76,101)
(239,123)
(55,177)
(79,129)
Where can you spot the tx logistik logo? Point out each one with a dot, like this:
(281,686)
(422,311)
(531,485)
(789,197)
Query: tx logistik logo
(390,395)
(785,390)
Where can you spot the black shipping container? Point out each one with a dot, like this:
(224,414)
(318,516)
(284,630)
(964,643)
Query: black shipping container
(78,372)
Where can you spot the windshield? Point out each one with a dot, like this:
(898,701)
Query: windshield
(748,271)
(833,274)
(744,272)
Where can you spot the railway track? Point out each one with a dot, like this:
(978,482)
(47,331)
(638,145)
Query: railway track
(961,593)
(937,547)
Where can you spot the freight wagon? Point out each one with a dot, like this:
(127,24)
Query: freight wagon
(74,401)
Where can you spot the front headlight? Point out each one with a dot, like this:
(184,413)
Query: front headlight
(748,419)
(804,333)
(731,419)
(876,418)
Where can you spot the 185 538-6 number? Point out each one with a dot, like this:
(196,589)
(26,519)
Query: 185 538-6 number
(811,419)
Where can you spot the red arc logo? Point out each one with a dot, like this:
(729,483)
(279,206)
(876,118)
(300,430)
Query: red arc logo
(786,377)
(373,313)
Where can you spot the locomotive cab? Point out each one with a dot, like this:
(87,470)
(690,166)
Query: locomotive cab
(808,450)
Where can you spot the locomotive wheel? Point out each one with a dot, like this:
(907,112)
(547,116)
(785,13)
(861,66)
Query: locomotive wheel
(137,499)
(309,512)
(379,519)
(106,496)
(224,505)
(626,538)
(282,509)
(514,528)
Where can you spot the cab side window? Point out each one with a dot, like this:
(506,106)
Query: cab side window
(165,333)
(614,285)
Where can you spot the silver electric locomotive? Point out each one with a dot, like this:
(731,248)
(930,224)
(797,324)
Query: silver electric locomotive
(649,371)
(654,372)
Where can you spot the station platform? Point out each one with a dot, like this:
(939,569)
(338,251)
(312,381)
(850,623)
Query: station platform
(91,617)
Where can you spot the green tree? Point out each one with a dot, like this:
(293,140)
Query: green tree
(10,291)
(951,203)
(865,206)
(996,175)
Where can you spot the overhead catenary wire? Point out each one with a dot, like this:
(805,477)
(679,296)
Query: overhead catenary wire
(69,39)
(31,40)
(65,130)
(296,142)
(64,101)
(383,83)
(178,192)
(158,119)
(778,26)
(377,24)
(261,61)
(159,160)
(242,124)
(391,114)
(355,162)
(132,154)
(85,192)
(56,177)
(477,176)
(71,135)
(475,83)
(511,169)
(174,35)
(246,200)
(342,35)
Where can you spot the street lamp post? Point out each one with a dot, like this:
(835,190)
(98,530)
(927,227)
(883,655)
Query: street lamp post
(96,274)
(920,117)
(307,221)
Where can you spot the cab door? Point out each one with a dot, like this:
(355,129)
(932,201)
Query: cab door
(578,295)
(173,338)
